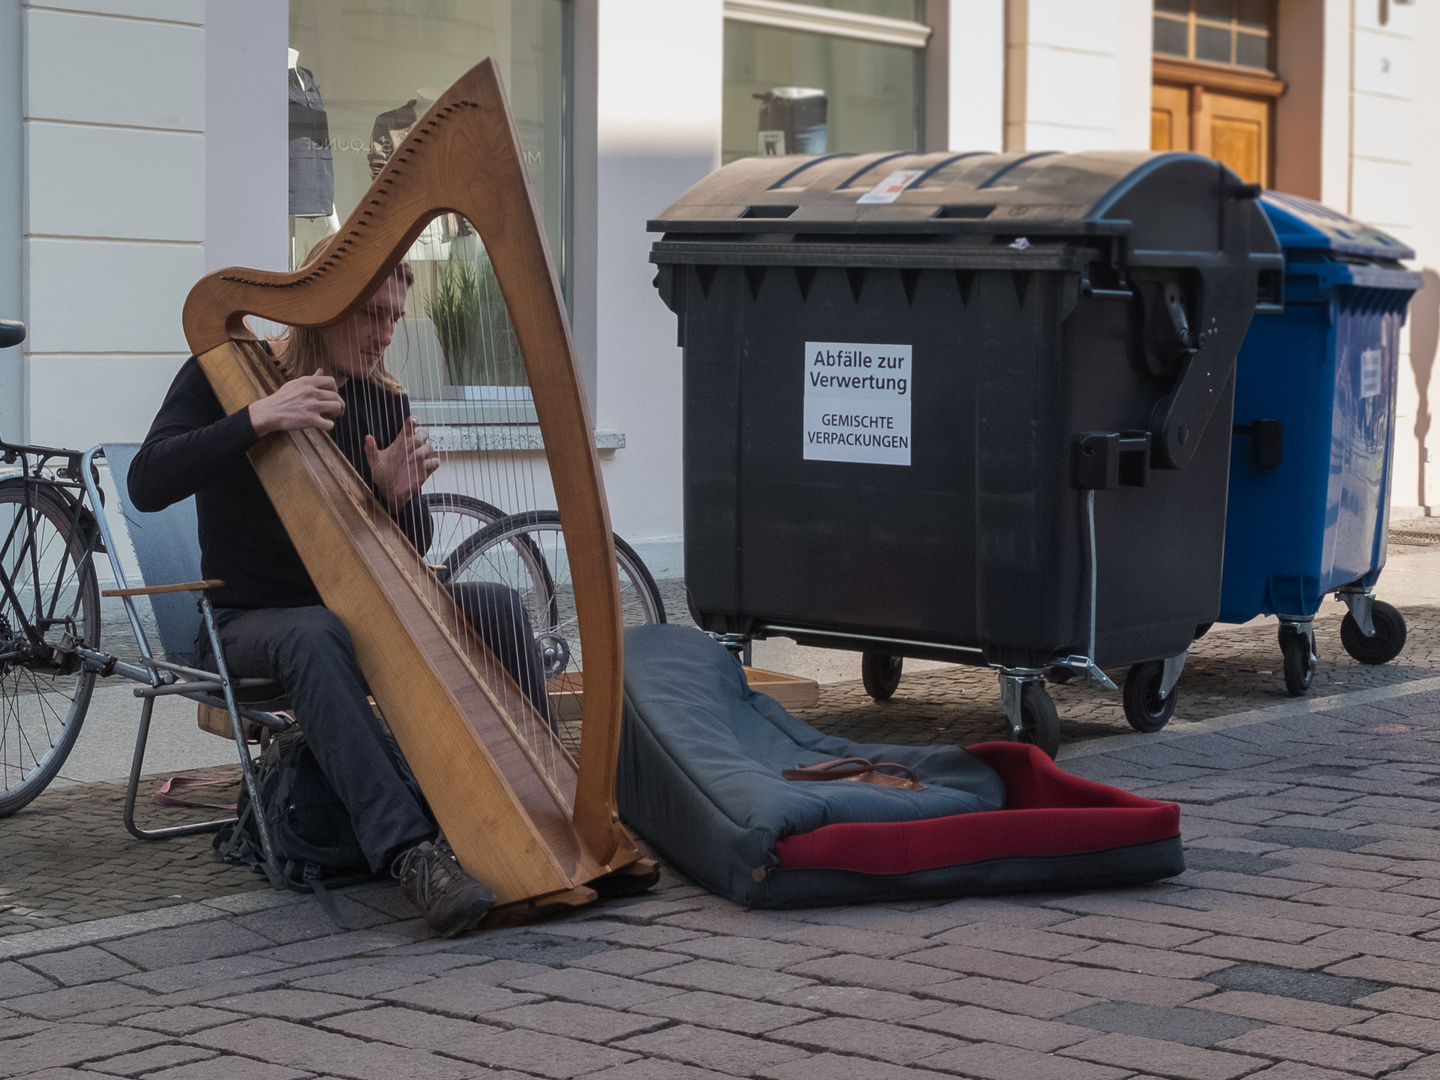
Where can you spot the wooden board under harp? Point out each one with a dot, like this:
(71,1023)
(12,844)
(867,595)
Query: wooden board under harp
(522,814)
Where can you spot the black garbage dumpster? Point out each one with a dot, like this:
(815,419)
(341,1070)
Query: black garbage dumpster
(967,407)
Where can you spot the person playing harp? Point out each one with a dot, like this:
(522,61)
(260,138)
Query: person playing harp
(271,620)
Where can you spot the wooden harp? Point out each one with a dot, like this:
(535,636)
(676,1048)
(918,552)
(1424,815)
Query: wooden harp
(522,813)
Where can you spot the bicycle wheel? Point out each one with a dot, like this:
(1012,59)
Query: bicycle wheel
(507,551)
(455,517)
(48,592)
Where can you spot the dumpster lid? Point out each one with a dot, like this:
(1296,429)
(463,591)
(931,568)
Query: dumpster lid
(1302,223)
(1163,202)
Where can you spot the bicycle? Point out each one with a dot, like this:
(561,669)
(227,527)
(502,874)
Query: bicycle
(49,609)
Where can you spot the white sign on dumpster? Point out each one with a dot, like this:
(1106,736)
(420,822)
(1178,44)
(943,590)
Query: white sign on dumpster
(1372,363)
(857,402)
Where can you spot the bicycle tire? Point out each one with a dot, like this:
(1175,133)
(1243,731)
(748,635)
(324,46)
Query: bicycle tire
(459,511)
(488,556)
(537,577)
(35,694)
(515,526)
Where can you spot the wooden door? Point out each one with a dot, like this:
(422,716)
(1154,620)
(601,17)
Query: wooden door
(1170,118)
(1222,113)
(1235,130)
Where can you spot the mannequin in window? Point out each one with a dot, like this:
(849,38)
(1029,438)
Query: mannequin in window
(391,128)
(389,132)
(312,169)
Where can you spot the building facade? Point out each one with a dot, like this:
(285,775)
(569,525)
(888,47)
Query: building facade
(151,141)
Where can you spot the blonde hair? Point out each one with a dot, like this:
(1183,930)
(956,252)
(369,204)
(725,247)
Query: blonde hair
(305,351)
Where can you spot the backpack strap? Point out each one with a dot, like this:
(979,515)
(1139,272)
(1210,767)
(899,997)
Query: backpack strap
(311,876)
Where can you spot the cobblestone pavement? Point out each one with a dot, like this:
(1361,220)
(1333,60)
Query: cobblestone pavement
(68,859)
(1239,669)
(1303,943)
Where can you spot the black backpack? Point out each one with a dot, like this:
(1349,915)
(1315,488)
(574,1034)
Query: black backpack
(310,830)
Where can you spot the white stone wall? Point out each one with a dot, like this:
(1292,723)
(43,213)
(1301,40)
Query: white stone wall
(114,209)
(657,131)
(971,75)
(1077,75)
(1381,153)
(12,198)
(1419,428)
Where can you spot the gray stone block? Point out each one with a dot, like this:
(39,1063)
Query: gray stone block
(1192,1027)
(83,965)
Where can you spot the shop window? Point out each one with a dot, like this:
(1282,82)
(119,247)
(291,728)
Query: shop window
(820,76)
(361,73)
(1214,92)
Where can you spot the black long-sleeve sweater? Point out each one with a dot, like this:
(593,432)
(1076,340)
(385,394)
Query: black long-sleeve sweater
(193,448)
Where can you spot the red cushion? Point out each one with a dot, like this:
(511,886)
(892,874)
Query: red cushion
(1047,812)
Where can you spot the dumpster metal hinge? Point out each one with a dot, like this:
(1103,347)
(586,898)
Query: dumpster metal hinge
(1105,460)
(1012,692)
(1361,602)
(1181,416)
(1170,673)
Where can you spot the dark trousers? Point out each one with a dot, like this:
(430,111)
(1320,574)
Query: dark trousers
(309,653)
(498,615)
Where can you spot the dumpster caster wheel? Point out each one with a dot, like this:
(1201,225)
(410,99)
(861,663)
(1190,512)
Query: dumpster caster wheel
(1389,636)
(1039,722)
(1144,707)
(1299,651)
(881,674)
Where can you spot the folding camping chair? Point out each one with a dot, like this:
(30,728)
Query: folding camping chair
(167,548)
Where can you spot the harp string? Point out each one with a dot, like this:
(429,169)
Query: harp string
(505,598)
(517,593)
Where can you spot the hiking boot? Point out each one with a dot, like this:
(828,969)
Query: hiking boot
(433,880)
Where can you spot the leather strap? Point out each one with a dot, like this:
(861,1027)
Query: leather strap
(860,770)
(166,794)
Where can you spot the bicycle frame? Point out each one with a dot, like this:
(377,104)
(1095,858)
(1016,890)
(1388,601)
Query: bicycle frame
(36,471)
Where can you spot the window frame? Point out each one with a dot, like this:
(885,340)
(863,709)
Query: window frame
(1192,21)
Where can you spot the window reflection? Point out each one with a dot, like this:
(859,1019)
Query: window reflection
(789,92)
(363,73)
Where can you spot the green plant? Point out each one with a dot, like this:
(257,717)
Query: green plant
(473,325)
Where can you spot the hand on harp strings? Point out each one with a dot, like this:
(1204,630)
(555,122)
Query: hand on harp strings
(399,470)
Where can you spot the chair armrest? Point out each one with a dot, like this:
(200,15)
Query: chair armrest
(187,586)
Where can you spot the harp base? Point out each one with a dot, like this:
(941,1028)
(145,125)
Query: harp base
(538,907)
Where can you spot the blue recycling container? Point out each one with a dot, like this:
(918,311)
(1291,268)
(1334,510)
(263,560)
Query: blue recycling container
(1311,467)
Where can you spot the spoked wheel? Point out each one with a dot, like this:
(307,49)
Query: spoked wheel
(1300,661)
(527,553)
(1039,722)
(52,599)
(1389,636)
(881,674)
(1145,709)
(455,518)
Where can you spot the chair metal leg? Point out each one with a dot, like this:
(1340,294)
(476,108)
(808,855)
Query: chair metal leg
(137,763)
(272,867)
